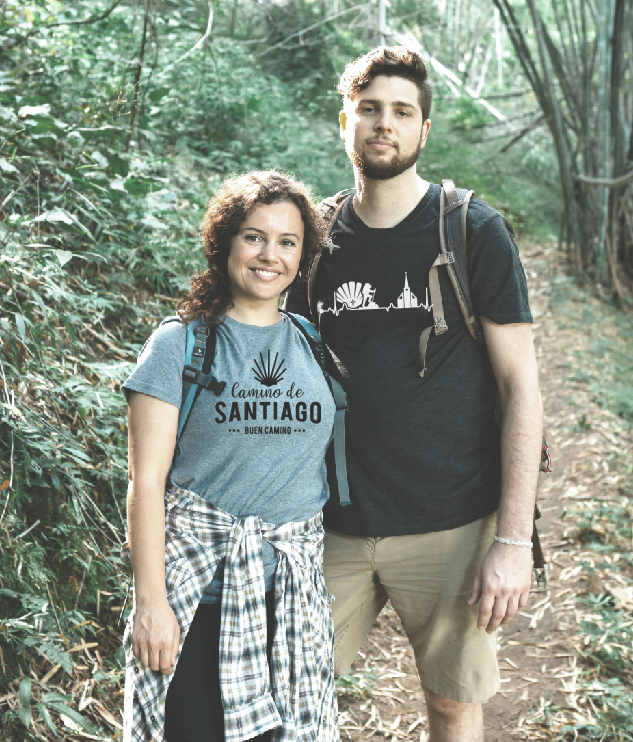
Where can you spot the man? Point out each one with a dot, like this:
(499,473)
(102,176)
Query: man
(432,479)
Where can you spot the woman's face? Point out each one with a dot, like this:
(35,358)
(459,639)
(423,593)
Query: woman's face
(265,253)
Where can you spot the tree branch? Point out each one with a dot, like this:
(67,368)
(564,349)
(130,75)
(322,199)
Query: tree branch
(137,78)
(522,133)
(197,45)
(606,182)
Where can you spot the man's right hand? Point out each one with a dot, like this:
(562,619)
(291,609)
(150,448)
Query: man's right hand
(156,636)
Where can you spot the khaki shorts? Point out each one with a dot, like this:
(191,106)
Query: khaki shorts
(428,579)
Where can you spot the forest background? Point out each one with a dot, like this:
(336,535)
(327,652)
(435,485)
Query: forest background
(118,121)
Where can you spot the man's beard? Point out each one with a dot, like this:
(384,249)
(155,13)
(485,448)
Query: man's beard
(382,170)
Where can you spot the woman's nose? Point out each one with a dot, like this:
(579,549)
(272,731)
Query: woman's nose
(267,250)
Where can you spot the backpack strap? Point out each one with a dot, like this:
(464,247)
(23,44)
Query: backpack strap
(199,356)
(453,214)
(309,331)
(330,208)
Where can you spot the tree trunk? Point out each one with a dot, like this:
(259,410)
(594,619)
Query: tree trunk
(137,77)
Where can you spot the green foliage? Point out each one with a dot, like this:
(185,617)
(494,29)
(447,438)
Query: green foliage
(514,182)
(357,683)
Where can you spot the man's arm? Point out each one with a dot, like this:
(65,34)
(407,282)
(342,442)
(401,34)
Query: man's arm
(502,585)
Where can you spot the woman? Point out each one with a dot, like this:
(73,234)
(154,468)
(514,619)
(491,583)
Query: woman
(231,636)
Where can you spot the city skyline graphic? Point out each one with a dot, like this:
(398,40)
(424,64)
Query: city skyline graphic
(358,296)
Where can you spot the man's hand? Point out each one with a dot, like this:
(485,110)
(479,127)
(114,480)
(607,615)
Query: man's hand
(155,636)
(502,585)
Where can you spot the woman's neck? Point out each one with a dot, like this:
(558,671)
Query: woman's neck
(260,316)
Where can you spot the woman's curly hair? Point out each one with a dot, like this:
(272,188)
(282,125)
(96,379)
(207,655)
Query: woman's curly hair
(210,294)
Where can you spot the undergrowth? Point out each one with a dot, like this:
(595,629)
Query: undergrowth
(602,527)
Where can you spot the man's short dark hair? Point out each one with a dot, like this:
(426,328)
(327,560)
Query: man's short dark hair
(393,61)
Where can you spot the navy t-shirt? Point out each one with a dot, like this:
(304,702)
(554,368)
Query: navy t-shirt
(422,453)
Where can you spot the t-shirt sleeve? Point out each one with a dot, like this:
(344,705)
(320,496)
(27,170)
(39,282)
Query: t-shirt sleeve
(158,371)
(498,285)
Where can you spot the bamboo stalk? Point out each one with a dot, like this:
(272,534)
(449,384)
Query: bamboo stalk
(585,144)
(557,129)
(603,135)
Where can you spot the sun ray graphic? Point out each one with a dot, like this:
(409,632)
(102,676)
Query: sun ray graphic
(267,374)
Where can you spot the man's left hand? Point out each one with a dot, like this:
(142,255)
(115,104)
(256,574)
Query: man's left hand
(502,585)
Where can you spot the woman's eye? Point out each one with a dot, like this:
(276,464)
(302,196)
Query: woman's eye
(251,237)
(288,243)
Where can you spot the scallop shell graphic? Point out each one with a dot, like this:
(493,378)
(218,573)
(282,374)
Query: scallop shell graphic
(351,295)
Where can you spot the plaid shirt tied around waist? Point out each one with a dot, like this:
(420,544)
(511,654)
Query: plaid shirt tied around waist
(296,698)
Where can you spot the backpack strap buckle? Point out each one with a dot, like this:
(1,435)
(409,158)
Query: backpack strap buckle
(542,578)
(194,375)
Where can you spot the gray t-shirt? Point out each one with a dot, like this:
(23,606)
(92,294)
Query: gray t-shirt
(259,447)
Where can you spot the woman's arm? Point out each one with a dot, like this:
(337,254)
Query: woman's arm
(152,426)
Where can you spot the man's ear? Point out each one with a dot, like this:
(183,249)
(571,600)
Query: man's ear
(342,119)
(426,128)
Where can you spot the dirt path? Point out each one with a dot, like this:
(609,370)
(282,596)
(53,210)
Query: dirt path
(539,652)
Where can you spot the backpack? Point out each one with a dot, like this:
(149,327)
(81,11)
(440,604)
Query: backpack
(196,376)
(454,257)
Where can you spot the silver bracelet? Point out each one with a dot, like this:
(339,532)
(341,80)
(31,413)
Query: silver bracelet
(510,542)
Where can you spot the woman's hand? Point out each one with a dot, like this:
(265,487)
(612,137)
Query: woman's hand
(155,636)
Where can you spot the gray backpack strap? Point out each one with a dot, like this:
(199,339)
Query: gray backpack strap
(453,240)
(439,325)
(453,213)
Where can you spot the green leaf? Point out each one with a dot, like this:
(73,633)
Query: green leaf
(25,716)
(54,696)
(46,718)
(63,256)
(44,125)
(157,94)
(24,694)
(61,215)
(118,165)
(138,186)
(7,167)
(73,715)
(35,110)
(21,325)
(56,655)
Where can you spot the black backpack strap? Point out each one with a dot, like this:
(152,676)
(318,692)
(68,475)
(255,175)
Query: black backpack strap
(330,208)
(196,374)
(340,400)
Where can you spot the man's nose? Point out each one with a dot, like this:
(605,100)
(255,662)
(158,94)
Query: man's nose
(384,122)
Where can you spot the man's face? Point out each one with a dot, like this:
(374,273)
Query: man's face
(382,127)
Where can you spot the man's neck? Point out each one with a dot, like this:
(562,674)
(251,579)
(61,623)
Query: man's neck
(382,204)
